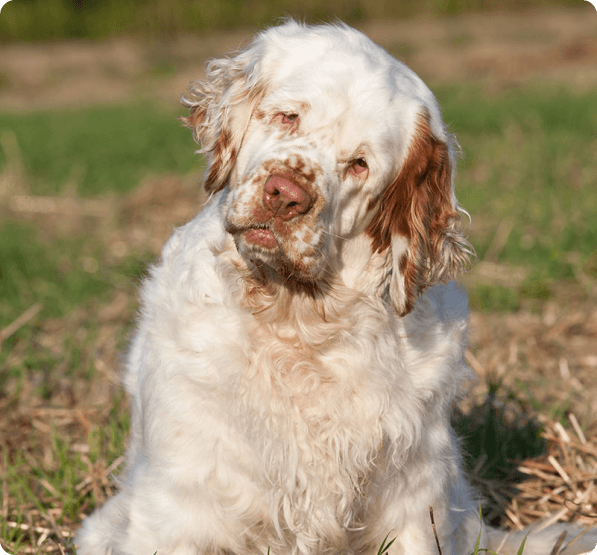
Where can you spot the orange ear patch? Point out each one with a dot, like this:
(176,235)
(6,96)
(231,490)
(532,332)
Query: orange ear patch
(417,206)
(222,154)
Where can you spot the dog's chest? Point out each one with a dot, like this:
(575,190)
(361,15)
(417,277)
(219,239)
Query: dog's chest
(312,378)
(313,411)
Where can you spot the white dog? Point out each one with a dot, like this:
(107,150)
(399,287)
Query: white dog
(293,371)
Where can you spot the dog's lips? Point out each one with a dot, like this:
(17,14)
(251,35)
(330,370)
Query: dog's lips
(261,237)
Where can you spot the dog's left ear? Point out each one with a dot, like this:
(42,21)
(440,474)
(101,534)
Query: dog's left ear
(417,220)
(221,106)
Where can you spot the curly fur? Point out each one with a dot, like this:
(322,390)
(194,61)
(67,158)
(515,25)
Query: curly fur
(293,372)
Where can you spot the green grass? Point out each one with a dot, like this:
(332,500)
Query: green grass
(529,162)
(51,272)
(58,482)
(51,19)
(529,158)
(499,431)
(104,148)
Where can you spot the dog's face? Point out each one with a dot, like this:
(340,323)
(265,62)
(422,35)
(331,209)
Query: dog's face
(313,160)
(321,137)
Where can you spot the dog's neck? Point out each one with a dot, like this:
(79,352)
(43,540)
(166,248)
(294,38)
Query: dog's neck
(282,300)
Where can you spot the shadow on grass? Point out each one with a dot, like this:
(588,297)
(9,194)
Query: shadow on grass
(496,435)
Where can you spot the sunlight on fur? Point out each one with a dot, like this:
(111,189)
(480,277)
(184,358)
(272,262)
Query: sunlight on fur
(300,343)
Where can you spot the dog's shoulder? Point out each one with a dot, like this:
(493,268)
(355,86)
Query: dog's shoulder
(435,338)
(450,302)
(187,318)
(198,239)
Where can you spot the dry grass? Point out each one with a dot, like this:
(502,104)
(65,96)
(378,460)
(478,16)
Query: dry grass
(63,417)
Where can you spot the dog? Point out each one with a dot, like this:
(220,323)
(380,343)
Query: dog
(300,343)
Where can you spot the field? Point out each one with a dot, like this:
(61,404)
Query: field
(95,171)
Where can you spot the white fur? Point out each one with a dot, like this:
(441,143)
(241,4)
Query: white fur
(289,407)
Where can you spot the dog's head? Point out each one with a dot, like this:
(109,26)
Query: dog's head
(322,137)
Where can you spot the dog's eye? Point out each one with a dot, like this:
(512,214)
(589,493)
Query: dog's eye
(359,167)
(288,119)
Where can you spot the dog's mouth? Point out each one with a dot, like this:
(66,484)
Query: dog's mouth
(263,246)
(254,239)
(260,237)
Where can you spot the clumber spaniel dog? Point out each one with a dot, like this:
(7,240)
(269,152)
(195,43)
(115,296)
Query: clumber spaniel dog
(296,361)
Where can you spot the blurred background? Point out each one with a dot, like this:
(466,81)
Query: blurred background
(95,171)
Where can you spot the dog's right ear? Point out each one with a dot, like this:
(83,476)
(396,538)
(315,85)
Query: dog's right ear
(220,110)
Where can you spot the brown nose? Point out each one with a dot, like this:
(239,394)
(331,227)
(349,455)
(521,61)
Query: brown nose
(284,198)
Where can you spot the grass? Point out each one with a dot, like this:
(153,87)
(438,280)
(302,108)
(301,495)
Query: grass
(499,430)
(57,273)
(528,179)
(52,19)
(528,159)
(101,149)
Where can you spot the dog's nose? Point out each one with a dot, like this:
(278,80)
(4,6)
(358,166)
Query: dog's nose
(284,198)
